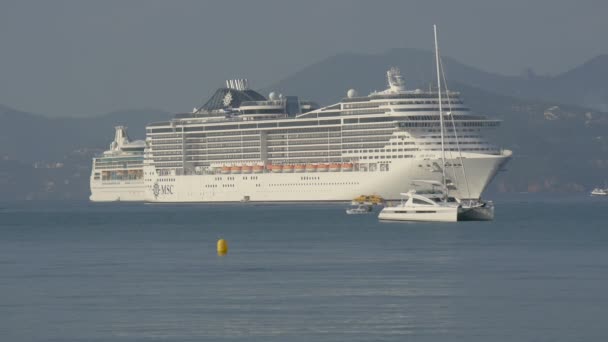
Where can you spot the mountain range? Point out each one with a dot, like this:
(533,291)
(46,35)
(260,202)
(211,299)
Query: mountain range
(583,86)
(554,124)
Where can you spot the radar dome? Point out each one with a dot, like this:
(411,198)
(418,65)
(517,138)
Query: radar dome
(273,96)
(352,93)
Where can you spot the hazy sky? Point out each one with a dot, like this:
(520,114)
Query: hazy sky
(90,57)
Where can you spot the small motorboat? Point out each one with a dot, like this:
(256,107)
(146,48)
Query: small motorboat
(360,209)
(599,192)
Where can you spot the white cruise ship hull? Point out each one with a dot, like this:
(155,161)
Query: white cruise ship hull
(322,186)
(133,191)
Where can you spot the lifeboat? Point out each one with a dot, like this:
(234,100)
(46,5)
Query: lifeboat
(288,168)
(277,168)
(334,167)
(235,169)
(225,169)
(311,168)
(246,169)
(368,199)
(322,167)
(360,199)
(347,167)
(258,168)
(300,168)
(375,199)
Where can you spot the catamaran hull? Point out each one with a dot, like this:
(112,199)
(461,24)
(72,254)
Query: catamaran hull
(426,215)
(483,213)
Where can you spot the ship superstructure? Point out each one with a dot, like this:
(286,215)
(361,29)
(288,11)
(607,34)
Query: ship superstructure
(117,175)
(241,145)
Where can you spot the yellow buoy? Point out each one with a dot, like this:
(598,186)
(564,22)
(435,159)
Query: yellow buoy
(222,247)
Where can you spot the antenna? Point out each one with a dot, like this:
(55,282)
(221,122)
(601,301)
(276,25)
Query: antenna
(451,116)
(440,107)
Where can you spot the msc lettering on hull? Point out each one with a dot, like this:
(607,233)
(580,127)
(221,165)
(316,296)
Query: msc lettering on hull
(164,189)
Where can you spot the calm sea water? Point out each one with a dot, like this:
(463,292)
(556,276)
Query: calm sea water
(131,272)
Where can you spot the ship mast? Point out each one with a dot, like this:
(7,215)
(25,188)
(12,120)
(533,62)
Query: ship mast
(443,180)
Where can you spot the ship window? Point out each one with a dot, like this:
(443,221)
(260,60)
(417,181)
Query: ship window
(418,201)
(329,122)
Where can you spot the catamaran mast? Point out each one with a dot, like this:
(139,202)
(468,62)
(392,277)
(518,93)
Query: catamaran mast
(443,180)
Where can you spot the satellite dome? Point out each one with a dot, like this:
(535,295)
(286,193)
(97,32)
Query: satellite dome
(352,93)
(273,96)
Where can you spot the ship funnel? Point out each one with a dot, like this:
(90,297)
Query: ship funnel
(120,138)
(396,82)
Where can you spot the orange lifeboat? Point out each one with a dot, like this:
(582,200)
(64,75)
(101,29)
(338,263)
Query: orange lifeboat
(277,168)
(347,166)
(225,169)
(235,169)
(247,169)
(300,168)
(334,167)
(322,167)
(311,168)
(258,168)
(288,168)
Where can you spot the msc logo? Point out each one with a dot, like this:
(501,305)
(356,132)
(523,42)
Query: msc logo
(158,190)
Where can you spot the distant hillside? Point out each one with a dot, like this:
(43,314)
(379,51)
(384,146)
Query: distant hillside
(327,80)
(31,137)
(557,148)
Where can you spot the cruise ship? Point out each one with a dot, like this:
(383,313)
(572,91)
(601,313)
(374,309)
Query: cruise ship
(117,175)
(243,146)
